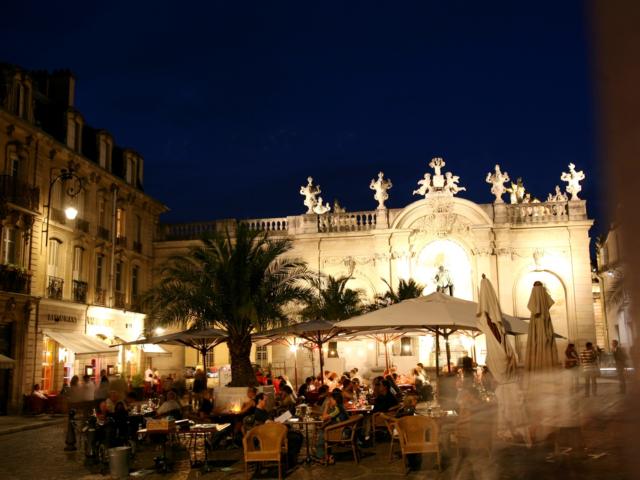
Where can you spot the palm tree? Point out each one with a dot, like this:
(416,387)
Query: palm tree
(241,285)
(406,289)
(331,300)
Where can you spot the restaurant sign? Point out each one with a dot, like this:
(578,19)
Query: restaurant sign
(57,317)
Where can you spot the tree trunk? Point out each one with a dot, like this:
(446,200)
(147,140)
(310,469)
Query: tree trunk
(242,374)
(437,352)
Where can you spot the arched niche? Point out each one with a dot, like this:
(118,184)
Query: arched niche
(470,213)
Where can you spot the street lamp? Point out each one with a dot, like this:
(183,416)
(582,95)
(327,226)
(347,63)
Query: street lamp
(72,186)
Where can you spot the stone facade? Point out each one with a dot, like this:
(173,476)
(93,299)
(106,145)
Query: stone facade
(82,276)
(513,244)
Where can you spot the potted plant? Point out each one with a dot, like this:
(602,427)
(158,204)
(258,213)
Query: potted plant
(137,386)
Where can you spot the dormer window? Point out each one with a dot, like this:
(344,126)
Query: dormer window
(74,131)
(105,149)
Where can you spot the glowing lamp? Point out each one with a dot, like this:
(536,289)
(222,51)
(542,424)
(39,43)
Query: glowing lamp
(71,213)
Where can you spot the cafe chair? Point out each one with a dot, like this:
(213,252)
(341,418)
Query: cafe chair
(343,434)
(378,422)
(418,435)
(265,443)
(390,422)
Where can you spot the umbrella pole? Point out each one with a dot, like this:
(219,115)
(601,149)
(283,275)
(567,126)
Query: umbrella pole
(386,355)
(321,361)
(437,352)
(446,345)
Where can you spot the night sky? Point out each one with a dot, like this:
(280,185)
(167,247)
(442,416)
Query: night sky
(233,104)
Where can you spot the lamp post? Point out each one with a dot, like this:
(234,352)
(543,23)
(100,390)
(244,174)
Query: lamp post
(72,185)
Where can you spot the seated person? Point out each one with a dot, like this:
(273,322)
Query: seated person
(112,400)
(40,401)
(36,392)
(102,412)
(323,393)
(348,394)
(285,398)
(305,387)
(170,407)
(260,414)
(393,388)
(206,406)
(334,412)
(408,406)
(384,398)
(235,429)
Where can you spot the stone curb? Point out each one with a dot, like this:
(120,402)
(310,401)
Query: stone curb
(31,426)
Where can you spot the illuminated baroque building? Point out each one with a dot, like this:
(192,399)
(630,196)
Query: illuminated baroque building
(68,288)
(513,243)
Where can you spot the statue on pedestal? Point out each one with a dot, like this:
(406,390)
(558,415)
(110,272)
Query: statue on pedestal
(516,192)
(310,192)
(438,184)
(573,179)
(381,186)
(337,208)
(319,208)
(558,196)
(497,180)
(443,281)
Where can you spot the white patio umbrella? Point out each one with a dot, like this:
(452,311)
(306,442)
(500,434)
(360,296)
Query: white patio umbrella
(542,353)
(501,360)
(437,312)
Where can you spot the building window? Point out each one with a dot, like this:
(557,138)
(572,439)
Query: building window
(99,270)
(119,268)
(78,254)
(55,246)
(120,225)
(135,279)
(210,358)
(102,211)
(138,229)
(131,176)
(406,349)
(262,356)
(9,245)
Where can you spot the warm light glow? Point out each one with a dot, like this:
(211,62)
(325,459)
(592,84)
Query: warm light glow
(293,348)
(406,348)
(370,345)
(62,355)
(453,257)
(159,331)
(466,342)
(128,355)
(71,213)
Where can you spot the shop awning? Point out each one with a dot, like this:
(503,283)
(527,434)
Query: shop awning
(6,362)
(79,343)
(153,349)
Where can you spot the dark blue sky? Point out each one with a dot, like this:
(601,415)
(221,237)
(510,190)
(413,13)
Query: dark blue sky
(233,104)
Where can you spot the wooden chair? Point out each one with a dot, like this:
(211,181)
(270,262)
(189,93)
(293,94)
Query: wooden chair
(265,443)
(378,422)
(418,435)
(337,435)
(393,432)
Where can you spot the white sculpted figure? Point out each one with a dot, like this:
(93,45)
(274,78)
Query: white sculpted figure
(337,208)
(558,196)
(310,192)
(451,184)
(381,186)
(319,208)
(497,180)
(516,192)
(425,185)
(437,180)
(573,179)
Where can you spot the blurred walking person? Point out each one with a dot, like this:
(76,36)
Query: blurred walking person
(620,357)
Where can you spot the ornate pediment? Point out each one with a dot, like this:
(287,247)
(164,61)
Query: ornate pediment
(439,220)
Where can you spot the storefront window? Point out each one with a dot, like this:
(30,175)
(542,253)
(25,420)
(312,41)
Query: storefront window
(48,350)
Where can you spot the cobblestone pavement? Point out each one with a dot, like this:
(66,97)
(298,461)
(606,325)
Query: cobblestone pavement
(39,453)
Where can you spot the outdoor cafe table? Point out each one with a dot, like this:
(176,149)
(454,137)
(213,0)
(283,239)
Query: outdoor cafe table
(201,430)
(306,421)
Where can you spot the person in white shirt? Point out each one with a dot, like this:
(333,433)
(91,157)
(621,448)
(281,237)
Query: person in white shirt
(88,389)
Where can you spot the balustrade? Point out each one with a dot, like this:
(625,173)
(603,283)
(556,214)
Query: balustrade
(267,224)
(80,291)
(539,212)
(347,222)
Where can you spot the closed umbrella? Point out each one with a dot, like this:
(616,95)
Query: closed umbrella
(542,353)
(501,361)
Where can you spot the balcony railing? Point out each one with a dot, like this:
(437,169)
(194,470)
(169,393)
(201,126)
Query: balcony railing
(121,242)
(80,291)
(104,234)
(539,212)
(268,224)
(82,225)
(137,247)
(100,296)
(136,305)
(347,222)
(14,279)
(54,287)
(119,300)
(15,191)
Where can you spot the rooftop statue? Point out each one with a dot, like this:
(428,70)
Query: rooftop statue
(437,183)
(337,208)
(497,180)
(558,196)
(381,186)
(319,208)
(310,192)
(516,192)
(573,179)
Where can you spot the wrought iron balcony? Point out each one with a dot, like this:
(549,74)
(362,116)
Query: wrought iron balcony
(80,291)
(136,305)
(104,234)
(82,225)
(54,288)
(14,279)
(119,300)
(22,194)
(100,296)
